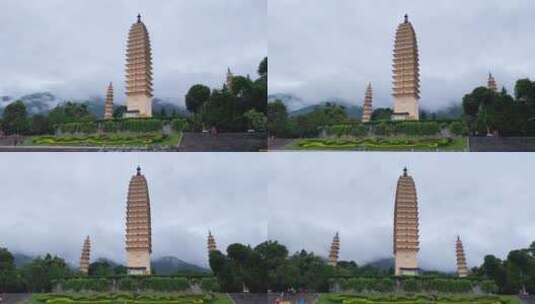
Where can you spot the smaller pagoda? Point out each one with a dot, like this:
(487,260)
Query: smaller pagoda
(367,108)
(491,84)
(211,243)
(462,269)
(108,106)
(229,79)
(335,249)
(86,256)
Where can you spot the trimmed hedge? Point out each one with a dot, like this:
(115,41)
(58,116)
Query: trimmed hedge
(179,124)
(209,285)
(123,298)
(165,284)
(112,126)
(381,143)
(102,139)
(414,299)
(458,128)
(87,285)
(389,128)
(345,130)
(415,285)
(128,284)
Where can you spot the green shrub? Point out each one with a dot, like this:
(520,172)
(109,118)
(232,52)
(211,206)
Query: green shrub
(417,128)
(179,124)
(128,284)
(87,284)
(141,125)
(165,284)
(384,129)
(458,128)
(209,284)
(411,285)
(489,287)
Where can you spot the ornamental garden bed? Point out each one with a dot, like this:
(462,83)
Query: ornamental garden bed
(144,140)
(155,298)
(382,144)
(414,299)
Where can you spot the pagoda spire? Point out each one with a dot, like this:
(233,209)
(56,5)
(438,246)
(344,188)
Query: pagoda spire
(139,90)
(367,108)
(108,105)
(211,243)
(491,83)
(138,226)
(229,79)
(462,269)
(406,73)
(335,249)
(85,256)
(406,236)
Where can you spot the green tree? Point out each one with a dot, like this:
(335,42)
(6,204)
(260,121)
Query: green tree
(39,125)
(256,120)
(119,111)
(101,268)
(494,269)
(70,112)
(41,273)
(277,118)
(15,118)
(382,114)
(196,97)
(263,67)
(222,111)
(524,89)
(9,279)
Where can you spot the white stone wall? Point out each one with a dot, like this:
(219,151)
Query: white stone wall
(407,104)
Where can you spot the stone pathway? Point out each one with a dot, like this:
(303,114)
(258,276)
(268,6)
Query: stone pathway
(502,144)
(15,298)
(223,142)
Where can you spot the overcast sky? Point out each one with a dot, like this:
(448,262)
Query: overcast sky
(50,202)
(324,49)
(486,198)
(74,48)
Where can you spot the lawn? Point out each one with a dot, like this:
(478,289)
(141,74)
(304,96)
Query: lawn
(129,298)
(110,140)
(381,144)
(415,299)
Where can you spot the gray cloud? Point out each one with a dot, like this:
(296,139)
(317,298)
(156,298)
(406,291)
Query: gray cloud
(75,48)
(323,49)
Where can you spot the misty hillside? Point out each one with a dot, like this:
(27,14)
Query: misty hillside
(170,265)
(291,102)
(352,111)
(297,106)
(21,259)
(44,102)
(382,264)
